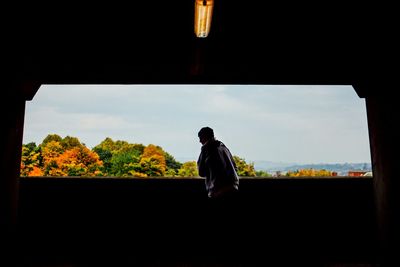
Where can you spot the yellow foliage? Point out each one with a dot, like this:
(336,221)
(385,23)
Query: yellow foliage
(51,151)
(309,173)
(153,161)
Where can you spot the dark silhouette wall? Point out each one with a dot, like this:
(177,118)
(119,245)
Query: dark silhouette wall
(141,220)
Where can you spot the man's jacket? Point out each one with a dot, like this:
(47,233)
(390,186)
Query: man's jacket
(216,164)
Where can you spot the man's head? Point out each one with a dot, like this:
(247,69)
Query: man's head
(205,134)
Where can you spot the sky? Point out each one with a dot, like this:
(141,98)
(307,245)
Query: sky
(280,123)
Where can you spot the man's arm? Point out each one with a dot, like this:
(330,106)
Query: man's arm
(201,164)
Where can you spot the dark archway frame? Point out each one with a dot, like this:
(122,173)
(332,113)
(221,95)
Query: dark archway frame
(238,51)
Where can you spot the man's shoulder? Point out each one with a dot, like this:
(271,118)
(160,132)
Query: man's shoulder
(222,145)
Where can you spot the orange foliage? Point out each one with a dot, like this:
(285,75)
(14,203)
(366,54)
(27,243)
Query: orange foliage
(29,161)
(78,161)
(36,171)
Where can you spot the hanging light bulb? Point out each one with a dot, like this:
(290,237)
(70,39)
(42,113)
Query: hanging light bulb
(202,17)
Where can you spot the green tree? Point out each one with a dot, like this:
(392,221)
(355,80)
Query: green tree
(113,146)
(50,138)
(120,158)
(170,173)
(173,166)
(69,142)
(105,156)
(125,162)
(262,173)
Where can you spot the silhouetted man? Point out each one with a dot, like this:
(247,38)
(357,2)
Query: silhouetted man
(216,164)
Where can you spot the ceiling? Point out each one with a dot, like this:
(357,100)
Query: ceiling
(152,42)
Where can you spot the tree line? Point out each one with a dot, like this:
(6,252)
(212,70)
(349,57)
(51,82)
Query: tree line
(57,156)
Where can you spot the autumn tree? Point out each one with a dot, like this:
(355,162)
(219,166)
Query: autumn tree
(188,169)
(57,156)
(31,160)
(309,173)
(153,161)
(51,150)
(244,169)
(78,161)
(61,157)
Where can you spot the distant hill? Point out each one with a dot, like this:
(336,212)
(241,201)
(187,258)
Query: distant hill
(185,159)
(340,168)
(272,167)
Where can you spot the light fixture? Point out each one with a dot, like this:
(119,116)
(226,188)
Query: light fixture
(202,17)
